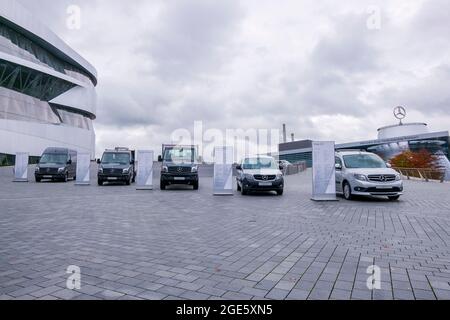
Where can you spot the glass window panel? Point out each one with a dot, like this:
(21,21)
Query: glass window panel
(12,42)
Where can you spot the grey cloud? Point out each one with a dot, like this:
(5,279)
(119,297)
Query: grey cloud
(164,64)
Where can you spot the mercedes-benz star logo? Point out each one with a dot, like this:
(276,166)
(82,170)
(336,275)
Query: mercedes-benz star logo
(180,169)
(400,113)
(265,177)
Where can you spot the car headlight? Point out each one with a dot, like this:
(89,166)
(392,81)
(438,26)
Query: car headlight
(279,176)
(398,177)
(248,176)
(36,169)
(127,170)
(165,169)
(60,170)
(100,170)
(194,169)
(360,177)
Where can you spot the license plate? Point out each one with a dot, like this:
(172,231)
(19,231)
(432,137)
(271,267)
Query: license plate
(179,178)
(112,178)
(265,184)
(47,177)
(383,188)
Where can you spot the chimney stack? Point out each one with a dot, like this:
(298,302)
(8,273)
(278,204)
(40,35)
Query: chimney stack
(293,137)
(284,134)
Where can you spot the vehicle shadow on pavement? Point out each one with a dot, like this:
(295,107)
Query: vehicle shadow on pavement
(367,199)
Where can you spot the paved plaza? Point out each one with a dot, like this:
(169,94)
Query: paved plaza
(184,244)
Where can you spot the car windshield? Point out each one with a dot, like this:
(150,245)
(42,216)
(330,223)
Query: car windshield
(53,158)
(116,158)
(259,163)
(179,155)
(364,161)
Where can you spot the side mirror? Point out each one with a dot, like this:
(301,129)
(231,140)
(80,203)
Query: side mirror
(239,167)
(99,161)
(160,159)
(281,167)
(132,162)
(338,166)
(388,165)
(69,162)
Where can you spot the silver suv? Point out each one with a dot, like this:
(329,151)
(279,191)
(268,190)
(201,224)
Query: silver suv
(366,174)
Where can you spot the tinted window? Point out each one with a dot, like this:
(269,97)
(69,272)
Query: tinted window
(54,158)
(116,158)
(179,155)
(259,163)
(364,161)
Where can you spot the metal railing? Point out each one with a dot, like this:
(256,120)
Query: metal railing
(422,174)
(295,169)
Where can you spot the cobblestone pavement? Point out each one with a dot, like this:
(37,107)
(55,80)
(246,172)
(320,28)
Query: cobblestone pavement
(184,244)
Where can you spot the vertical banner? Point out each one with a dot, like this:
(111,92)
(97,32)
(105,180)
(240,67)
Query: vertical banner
(324,174)
(83,169)
(144,179)
(223,171)
(21,167)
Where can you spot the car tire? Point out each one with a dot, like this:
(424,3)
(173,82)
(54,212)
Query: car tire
(244,191)
(38,180)
(128,182)
(347,191)
(280,192)
(394,198)
(100,182)
(238,187)
(134,179)
(195,185)
(66,177)
(162,186)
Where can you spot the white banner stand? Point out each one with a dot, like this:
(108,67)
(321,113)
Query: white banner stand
(83,169)
(324,171)
(223,171)
(21,167)
(144,179)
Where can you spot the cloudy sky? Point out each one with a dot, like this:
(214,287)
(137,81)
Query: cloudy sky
(328,69)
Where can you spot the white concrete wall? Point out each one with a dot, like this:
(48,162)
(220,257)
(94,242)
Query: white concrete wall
(19,136)
(407,129)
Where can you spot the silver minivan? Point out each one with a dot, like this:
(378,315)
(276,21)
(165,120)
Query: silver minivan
(361,173)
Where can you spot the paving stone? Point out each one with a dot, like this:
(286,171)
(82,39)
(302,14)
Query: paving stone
(293,249)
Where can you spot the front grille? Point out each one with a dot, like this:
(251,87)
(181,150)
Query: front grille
(112,171)
(180,169)
(48,170)
(382,178)
(261,177)
(375,190)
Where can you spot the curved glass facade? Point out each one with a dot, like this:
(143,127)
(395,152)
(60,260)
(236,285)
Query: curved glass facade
(20,107)
(16,44)
(31,82)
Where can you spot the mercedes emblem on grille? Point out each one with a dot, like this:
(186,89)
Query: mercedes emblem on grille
(180,169)
(265,177)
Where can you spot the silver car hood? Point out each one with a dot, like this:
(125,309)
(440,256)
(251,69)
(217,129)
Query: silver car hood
(367,171)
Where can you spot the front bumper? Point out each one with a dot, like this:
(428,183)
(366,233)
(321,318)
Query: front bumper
(257,185)
(113,177)
(189,179)
(363,188)
(50,176)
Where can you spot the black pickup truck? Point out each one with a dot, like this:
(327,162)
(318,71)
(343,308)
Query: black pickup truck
(117,165)
(179,166)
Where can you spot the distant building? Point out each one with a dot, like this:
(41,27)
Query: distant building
(392,140)
(47,90)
